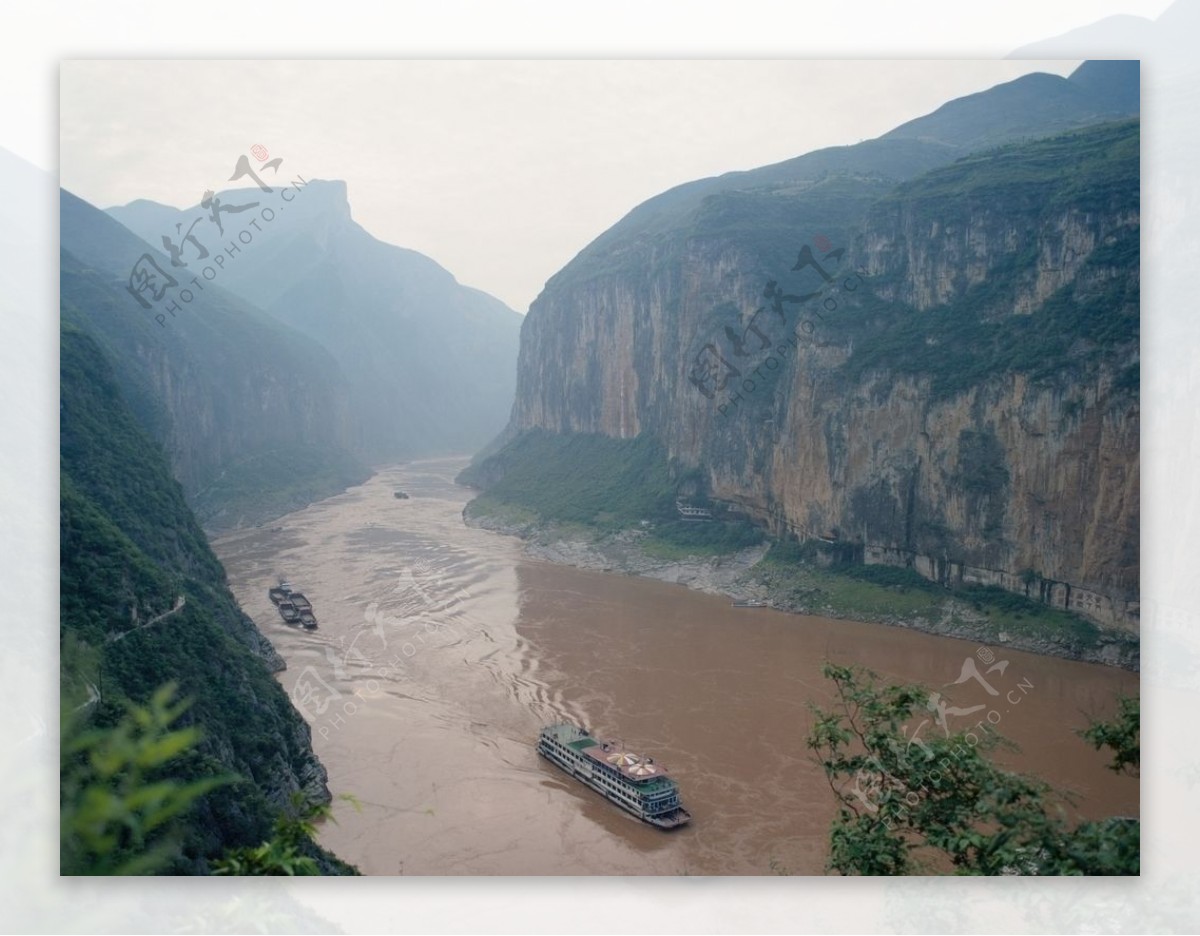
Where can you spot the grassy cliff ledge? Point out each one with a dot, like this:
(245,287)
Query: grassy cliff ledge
(586,479)
(597,502)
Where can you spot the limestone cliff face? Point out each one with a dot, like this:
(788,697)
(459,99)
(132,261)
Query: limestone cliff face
(959,396)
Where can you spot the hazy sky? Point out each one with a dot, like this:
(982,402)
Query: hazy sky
(500,170)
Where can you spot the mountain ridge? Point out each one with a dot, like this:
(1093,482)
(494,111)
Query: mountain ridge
(144,602)
(220,384)
(387,314)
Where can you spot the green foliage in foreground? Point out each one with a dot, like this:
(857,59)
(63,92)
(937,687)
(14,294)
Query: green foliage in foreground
(289,851)
(119,801)
(1122,735)
(124,807)
(923,802)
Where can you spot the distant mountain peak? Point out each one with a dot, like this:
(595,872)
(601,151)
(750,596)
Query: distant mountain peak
(311,198)
(1040,101)
(430,363)
(1117,81)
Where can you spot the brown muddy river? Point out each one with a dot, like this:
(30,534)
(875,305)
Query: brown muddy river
(442,651)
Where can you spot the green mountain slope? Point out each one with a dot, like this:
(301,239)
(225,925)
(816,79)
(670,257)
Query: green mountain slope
(1031,106)
(144,601)
(970,334)
(769,202)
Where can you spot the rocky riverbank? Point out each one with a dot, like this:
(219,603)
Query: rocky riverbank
(744,576)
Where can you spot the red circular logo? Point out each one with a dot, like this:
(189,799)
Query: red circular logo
(260,152)
(822,243)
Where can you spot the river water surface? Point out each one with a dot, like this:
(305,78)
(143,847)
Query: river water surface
(442,650)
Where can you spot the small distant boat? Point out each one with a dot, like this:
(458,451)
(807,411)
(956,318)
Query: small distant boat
(400,495)
(750,603)
(278,594)
(289,613)
(307,621)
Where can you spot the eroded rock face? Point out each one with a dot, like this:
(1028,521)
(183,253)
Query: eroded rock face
(1014,465)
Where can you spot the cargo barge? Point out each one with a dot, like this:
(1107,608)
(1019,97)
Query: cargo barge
(293,607)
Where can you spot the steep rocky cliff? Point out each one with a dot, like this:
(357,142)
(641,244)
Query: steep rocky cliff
(977,416)
(932,367)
